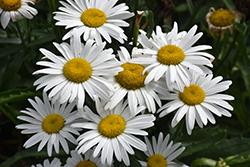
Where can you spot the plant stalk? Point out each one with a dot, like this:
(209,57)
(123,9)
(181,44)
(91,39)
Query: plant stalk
(21,36)
(57,29)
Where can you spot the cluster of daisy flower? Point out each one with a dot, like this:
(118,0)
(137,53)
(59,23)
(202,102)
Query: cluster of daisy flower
(15,10)
(127,88)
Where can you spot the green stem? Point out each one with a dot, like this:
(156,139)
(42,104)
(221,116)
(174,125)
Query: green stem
(137,27)
(179,129)
(237,55)
(190,6)
(21,36)
(135,6)
(57,30)
(225,56)
(194,14)
(52,5)
(135,36)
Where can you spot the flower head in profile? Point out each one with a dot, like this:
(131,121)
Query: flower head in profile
(94,19)
(219,21)
(162,152)
(80,69)
(199,101)
(78,160)
(15,10)
(54,163)
(50,123)
(170,55)
(130,83)
(112,132)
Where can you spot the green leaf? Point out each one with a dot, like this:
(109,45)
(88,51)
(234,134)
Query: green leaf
(3,34)
(31,152)
(39,32)
(227,148)
(11,40)
(190,6)
(8,112)
(238,103)
(15,95)
(44,39)
(232,161)
(9,50)
(240,27)
(10,77)
(134,162)
(240,162)
(181,8)
(244,65)
(204,143)
(203,161)
(236,160)
(229,4)
(150,27)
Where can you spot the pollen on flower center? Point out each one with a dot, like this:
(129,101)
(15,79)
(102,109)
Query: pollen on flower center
(10,5)
(77,70)
(221,18)
(170,55)
(112,126)
(156,160)
(93,17)
(192,95)
(86,163)
(53,123)
(131,77)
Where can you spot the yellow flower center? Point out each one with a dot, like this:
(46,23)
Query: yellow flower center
(53,123)
(131,77)
(86,163)
(77,70)
(221,18)
(112,126)
(10,5)
(156,160)
(170,55)
(192,95)
(93,17)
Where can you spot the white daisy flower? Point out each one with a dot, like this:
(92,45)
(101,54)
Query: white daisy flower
(54,163)
(51,123)
(94,18)
(15,10)
(130,82)
(112,132)
(86,160)
(198,101)
(162,153)
(171,54)
(80,68)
